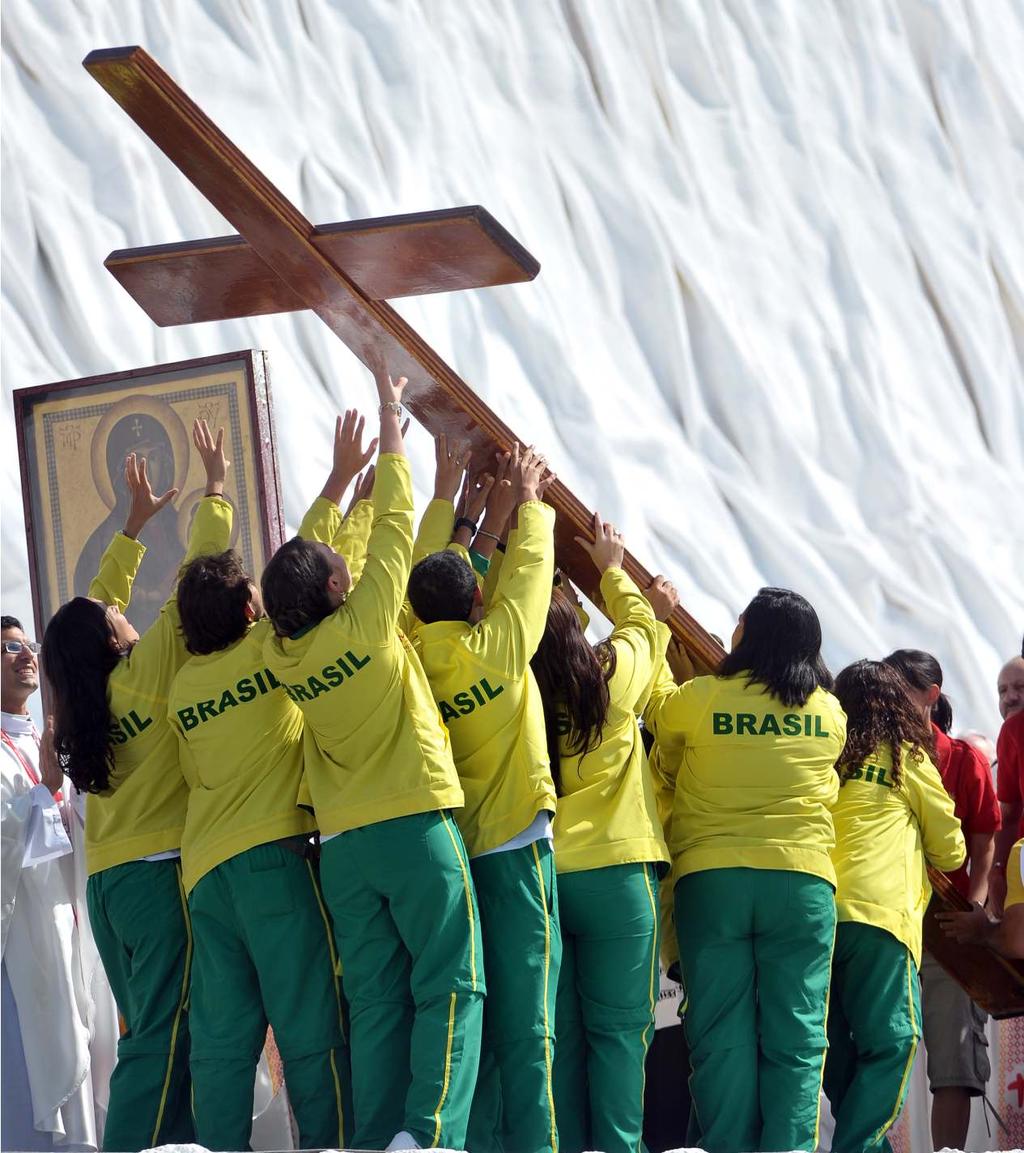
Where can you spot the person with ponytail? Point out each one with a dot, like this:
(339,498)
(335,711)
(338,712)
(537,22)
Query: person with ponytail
(609,853)
(112,739)
(751,833)
(953,1025)
(893,818)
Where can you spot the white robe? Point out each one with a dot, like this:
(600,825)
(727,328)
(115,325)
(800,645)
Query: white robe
(49,965)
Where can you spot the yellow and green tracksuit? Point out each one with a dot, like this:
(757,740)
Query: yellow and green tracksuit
(609,853)
(886,835)
(481,680)
(755,914)
(263,945)
(380,773)
(136,906)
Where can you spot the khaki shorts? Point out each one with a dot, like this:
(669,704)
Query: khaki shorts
(954,1033)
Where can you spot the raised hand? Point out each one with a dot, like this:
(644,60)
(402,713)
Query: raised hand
(474,496)
(451,461)
(390,394)
(349,457)
(662,597)
(502,498)
(145,505)
(528,468)
(211,450)
(606,550)
(679,662)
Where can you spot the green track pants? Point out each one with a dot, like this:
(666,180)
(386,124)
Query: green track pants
(140,922)
(522,954)
(264,953)
(604,1019)
(874,1023)
(755,947)
(407,927)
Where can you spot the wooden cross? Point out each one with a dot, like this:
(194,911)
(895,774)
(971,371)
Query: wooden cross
(342,272)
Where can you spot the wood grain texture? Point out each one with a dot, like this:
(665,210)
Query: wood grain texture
(280,236)
(388,257)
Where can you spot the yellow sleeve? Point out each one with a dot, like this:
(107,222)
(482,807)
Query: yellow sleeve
(1014,878)
(435,531)
(494,571)
(353,536)
(941,834)
(508,636)
(119,566)
(674,710)
(211,528)
(378,598)
(661,669)
(634,638)
(321,522)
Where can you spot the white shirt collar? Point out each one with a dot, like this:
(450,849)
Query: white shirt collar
(17,724)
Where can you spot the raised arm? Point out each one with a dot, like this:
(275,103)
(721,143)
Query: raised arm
(437,525)
(635,636)
(378,598)
(120,562)
(513,626)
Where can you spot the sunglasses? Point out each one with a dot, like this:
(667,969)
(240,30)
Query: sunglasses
(15,647)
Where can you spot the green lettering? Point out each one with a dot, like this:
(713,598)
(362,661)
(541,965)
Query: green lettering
(791,725)
(478,694)
(356,660)
(188,718)
(447,712)
(127,726)
(272,680)
(227,701)
(869,773)
(317,686)
(881,779)
(853,773)
(772,727)
(721,724)
(332,675)
(745,723)
(207,710)
(344,667)
(464,702)
(807,725)
(261,684)
(140,725)
(818,730)
(300,693)
(491,692)
(116,735)
(246,689)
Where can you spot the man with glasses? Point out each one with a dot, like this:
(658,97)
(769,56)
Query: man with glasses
(47,1089)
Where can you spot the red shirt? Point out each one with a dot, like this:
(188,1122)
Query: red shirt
(1010,760)
(968,780)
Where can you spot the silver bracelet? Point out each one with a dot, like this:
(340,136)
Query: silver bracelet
(390,406)
(493,535)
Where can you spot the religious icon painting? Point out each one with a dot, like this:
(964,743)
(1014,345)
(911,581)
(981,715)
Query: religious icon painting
(73,437)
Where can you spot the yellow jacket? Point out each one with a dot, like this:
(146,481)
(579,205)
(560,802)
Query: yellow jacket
(144,810)
(481,679)
(241,754)
(240,736)
(885,838)
(375,747)
(607,814)
(756,780)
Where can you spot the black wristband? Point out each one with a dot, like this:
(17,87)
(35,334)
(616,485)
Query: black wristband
(465,522)
(500,546)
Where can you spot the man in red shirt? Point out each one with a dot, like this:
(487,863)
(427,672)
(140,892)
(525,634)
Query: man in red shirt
(953,1026)
(1009,773)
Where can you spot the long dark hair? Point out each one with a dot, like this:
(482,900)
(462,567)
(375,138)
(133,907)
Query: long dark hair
(921,670)
(294,585)
(78,659)
(879,712)
(572,676)
(780,647)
